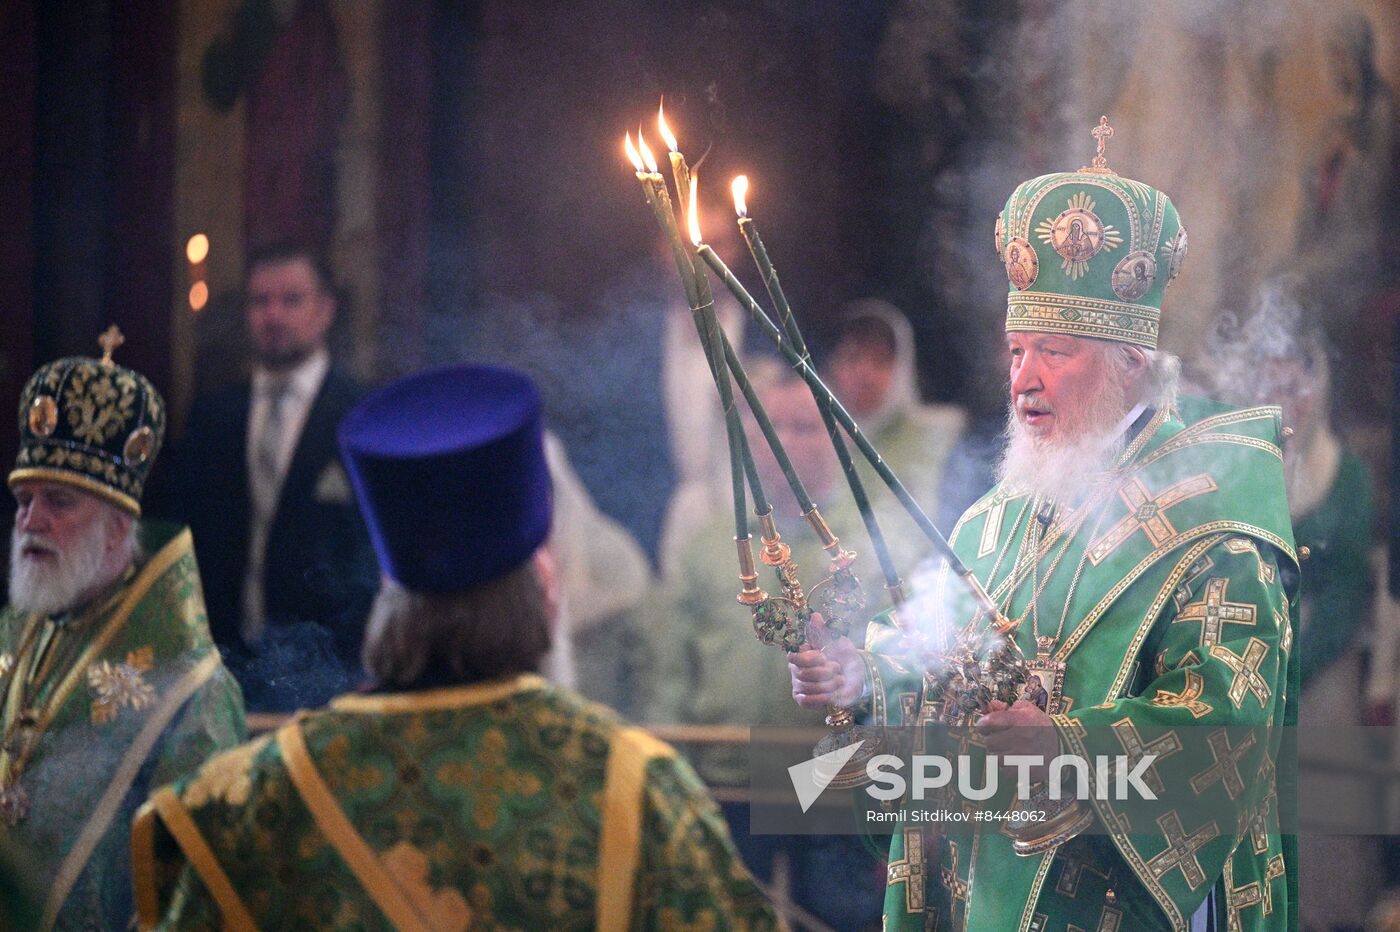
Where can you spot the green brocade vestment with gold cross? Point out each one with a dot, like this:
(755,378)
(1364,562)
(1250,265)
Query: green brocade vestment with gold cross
(1168,596)
(509,804)
(99,706)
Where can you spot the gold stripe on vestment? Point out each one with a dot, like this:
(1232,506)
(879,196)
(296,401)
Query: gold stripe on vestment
(432,700)
(619,847)
(338,830)
(177,819)
(127,771)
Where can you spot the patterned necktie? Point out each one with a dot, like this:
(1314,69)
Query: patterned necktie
(265,478)
(267,451)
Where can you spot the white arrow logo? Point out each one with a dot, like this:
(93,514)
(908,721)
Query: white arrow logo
(810,778)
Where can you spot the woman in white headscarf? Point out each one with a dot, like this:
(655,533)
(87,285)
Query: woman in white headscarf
(872,369)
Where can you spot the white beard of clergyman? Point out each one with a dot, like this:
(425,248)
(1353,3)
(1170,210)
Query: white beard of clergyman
(51,587)
(1077,459)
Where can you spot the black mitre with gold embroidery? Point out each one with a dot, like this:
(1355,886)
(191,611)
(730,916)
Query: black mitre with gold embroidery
(91,424)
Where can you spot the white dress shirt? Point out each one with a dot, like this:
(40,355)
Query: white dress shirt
(301,387)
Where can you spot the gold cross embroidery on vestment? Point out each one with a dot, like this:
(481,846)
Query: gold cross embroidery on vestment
(1165,746)
(1253,893)
(909,870)
(1214,612)
(1247,676)
(1189,698)
(1181,850)
(1147,513)
(957,887)
(1226,769)
(1075,868)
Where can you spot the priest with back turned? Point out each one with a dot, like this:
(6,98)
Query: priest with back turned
(464,791)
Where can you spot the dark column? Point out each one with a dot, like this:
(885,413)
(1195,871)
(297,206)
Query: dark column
(17,73)
(71,181)
(139,247)
(404,196)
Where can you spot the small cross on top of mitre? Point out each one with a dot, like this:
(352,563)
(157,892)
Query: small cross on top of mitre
(109,341)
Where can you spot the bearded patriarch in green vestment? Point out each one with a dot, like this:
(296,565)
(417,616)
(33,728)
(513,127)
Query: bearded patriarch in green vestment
(1143,543)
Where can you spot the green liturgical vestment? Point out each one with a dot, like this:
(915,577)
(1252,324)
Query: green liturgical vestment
(1168,597)
(508,804)
(99,706)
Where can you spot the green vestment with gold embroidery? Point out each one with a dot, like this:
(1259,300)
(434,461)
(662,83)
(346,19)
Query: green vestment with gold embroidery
(508,804)
(99,706)
(1168,596)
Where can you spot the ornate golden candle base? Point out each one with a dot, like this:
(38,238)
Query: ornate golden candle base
(1048,823)
(845,732)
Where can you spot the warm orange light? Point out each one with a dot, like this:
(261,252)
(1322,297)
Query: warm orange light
(646,152)
(740,187)
(694,209)
(632,155)
(197,249)
(666,133)
(199,296)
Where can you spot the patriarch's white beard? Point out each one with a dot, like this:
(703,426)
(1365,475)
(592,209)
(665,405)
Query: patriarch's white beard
(1077,459)
(52,587)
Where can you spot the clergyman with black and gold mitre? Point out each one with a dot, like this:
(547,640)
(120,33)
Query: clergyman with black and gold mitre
(1142,542)
(109,680)
(466,791)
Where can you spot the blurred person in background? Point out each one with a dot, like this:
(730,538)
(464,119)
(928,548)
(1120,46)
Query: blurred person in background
(1280,356)
(872,368)
(706,668)
(257,476)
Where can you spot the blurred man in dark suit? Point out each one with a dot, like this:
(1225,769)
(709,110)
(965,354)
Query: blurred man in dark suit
(259,480)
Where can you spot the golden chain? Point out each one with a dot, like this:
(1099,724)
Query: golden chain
(1038,585)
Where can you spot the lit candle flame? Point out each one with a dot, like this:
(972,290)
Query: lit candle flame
(666,133)
(740,187)
(694,209)
(646,152)
(632,155)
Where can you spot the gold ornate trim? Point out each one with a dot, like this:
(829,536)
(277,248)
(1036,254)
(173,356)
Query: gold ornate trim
(78,480)
(619,843)
(879,714)
(432,700)
(1202,530)
(143,867)
(201,857)
(1069,732)
(1149,618)
(339,831)
(1041,872)
(127,771)
(1192,434)
(1095,317)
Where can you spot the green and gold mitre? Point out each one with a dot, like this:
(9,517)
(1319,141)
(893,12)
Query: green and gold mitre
(1089,253)
(92,424)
